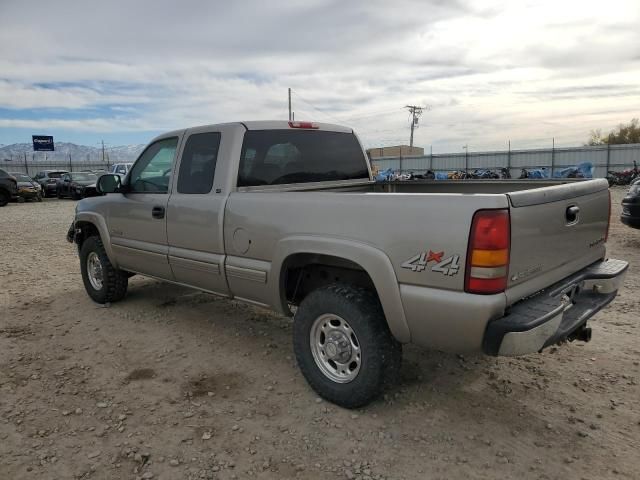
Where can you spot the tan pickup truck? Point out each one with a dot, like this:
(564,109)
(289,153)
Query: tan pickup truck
(285,215)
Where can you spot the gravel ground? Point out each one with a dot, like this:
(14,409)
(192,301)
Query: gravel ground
(176,384)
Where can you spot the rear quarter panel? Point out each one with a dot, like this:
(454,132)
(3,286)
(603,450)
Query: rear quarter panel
(402,226)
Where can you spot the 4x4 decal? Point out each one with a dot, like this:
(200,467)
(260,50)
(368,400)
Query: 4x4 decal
(419,262)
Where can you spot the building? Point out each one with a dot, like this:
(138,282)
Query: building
(395,151)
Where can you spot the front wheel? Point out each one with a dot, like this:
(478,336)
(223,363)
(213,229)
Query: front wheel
(103,282)
(343,345)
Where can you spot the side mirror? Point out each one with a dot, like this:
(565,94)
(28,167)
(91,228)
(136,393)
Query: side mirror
(108,184)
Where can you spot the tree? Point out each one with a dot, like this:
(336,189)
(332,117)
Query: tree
(629,133)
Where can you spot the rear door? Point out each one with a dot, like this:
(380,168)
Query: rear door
(555,231)
(195,214)
(137,218)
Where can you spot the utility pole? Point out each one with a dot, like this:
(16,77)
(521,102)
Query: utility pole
(102,151)
(415,111)
(290,105)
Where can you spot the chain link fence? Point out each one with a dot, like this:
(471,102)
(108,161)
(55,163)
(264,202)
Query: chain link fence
(32,167)
(603,158)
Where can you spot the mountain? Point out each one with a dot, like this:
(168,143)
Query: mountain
(79,153)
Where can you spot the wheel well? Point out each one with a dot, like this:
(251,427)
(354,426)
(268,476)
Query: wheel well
(304,272)
(87,229)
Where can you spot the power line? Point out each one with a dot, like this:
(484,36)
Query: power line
(314,107)
(371,114)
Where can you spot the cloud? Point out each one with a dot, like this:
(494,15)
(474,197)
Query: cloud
(491,70)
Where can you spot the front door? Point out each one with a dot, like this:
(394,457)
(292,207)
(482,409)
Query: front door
(195,215)
(137,217)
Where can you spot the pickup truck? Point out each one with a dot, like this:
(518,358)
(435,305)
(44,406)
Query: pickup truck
(285,215)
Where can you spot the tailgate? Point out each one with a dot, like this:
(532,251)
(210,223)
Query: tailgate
(555,231)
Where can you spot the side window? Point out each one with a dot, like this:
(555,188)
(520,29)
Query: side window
(121,170)
(152,172)
(198,165)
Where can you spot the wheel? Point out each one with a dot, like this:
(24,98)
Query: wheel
(343,345)
(58,193)
(103,282)
(21,199)
(4,198)
(43,192)
(39,197)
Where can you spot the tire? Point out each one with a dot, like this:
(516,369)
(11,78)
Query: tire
(58,193)
(380,355)
(114,282)
(4,198)
(43,192)
(39,197)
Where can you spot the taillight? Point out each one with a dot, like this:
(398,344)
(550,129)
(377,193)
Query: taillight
(488,252)
(606,234)
(303,125)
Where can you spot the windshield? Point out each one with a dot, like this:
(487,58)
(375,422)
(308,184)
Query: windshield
(83,177)
(274,157)
(22,178)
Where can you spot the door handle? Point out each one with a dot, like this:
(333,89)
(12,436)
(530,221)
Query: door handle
(572,214)
(157,212)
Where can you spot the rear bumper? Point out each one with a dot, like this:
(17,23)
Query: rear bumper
(558,313)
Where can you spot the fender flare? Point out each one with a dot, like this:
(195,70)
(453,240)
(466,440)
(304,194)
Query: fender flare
(99,222)
(372,260)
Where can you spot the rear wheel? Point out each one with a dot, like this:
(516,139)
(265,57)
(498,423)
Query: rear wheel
(4,198)
(103,282)
(343,345)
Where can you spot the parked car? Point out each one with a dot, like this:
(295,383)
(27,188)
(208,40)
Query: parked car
(8,188)
(28,188)
(631,206)
(76,184)
(288,217)
(120,168)
(48,180)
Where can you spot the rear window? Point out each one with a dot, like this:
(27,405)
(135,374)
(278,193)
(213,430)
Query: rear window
(276,157)
(55,174)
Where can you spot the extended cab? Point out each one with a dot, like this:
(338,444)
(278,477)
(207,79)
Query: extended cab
(286,216)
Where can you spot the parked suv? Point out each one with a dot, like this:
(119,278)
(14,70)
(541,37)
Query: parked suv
(8,188)
(120,168)
(48,180)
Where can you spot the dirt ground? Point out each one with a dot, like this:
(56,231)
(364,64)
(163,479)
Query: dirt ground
(175,384)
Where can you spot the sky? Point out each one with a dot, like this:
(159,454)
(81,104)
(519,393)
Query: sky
(488,72)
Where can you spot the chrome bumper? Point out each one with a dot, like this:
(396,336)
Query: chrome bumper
(557,314)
